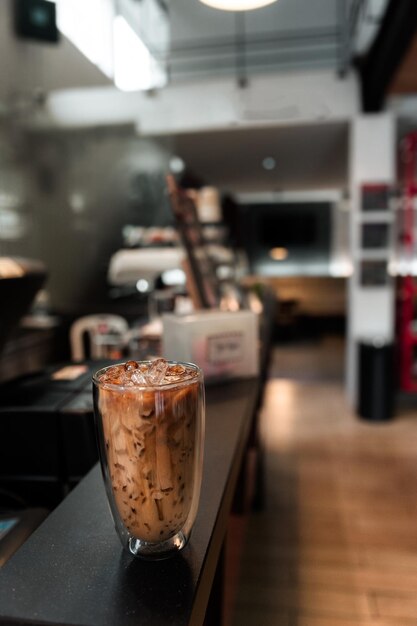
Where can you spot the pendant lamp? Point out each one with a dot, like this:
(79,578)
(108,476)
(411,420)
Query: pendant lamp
(237,5)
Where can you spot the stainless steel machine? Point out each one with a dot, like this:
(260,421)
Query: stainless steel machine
(20,280)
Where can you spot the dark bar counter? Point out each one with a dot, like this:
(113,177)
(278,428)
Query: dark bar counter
(73,571)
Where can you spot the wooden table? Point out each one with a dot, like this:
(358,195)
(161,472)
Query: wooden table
(72,570)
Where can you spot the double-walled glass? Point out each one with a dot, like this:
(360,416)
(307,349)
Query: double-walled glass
(151,451)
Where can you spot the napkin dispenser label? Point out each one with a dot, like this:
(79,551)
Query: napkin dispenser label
(225,348)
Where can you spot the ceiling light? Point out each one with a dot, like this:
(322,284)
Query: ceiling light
(176,165)
(134,66)
(269,163)
(88,25)
(237,5)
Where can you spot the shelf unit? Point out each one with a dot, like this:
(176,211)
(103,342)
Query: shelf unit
(407,283)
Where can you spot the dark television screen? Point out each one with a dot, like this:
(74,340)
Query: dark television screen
(302,228)
(289,229)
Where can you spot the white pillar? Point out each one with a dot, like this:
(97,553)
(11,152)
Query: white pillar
(370,308)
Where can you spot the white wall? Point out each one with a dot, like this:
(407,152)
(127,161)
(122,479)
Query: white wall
(212,104)
(371,309)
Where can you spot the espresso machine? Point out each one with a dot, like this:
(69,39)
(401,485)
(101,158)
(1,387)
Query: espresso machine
(47,436)
(20,280)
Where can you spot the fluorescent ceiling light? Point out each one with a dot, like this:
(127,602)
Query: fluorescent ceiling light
(134,67)
(89,26)
(237,5)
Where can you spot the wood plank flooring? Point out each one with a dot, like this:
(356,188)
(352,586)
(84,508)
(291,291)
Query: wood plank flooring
(337,542)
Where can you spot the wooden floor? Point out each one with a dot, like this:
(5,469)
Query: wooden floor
(337,542)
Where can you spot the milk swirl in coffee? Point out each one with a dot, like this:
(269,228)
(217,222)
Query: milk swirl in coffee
(149,420)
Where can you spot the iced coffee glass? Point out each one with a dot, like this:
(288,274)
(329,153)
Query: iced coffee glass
(150,422)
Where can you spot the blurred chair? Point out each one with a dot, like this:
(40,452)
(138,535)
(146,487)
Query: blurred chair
(106,337)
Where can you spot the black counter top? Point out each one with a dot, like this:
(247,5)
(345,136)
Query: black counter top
(72,570)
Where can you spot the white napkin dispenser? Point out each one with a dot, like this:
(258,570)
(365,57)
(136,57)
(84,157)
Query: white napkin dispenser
(224,344)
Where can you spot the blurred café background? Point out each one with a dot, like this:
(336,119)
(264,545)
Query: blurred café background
(267,107)
(294,129)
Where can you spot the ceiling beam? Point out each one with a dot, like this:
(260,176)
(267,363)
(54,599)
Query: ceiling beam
(378,68)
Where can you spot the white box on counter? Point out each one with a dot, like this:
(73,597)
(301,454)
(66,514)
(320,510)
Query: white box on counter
(224,344)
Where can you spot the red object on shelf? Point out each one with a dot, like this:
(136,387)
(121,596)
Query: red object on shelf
(407,285)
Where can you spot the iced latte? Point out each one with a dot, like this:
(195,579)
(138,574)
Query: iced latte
(150,420)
